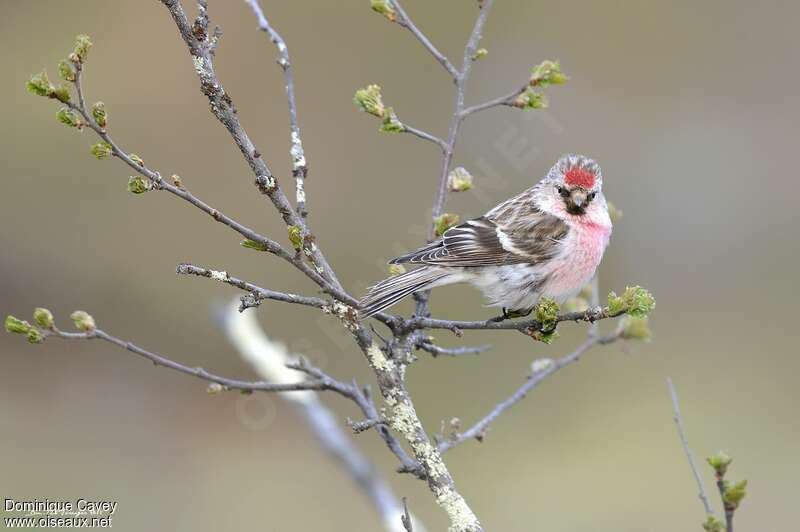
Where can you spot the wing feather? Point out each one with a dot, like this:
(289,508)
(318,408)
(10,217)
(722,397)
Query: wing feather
(512,233)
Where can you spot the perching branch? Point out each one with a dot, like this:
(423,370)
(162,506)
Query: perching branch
(397,420)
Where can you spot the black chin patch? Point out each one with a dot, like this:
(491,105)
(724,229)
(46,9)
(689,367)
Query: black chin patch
(574,209)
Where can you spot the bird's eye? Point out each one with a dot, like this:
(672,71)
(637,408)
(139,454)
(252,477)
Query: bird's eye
(591,196)
(562,191)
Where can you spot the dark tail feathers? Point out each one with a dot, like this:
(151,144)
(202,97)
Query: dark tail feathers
(391,290)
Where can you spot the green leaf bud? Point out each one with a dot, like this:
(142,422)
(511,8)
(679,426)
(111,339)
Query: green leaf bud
(296,237)
(61,93)
(369,100)
(444,222)
(65,70)
(547,73)
(712,524)
(16,325)
(480,53)
(547,313)
(734,494)
(40,85)
(43,318)
(99,114)
(252,244)
(459,180)
(35,336)
(385,8)
(530,99)
(83,320)
(719,462)
(135,158)
(391,124)
(68,117)
(82,45)
(101,150)
(139,185)
(635,301)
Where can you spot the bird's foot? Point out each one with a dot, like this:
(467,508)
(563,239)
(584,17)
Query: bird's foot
(511,314)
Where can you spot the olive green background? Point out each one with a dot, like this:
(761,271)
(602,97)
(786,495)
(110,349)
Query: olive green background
(690,108)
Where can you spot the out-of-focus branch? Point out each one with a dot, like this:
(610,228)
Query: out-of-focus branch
(270,360)
(676,416)
(299,166)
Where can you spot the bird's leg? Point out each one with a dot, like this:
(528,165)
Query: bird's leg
(511,314)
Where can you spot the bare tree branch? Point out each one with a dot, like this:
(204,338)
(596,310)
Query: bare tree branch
(299,166)
(676,410)
(405,21)
(182,192)
(196,39)
(436,350)
(272,361)
(455,122)
(424,136)
(319,384)
(478,430)
(508,100)
(258,292)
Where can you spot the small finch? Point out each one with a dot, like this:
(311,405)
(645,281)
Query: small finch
(545,241)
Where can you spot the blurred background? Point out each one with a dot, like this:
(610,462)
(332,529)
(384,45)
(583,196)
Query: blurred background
(689,107)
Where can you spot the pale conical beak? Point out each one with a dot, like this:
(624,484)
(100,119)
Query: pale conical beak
(578,197)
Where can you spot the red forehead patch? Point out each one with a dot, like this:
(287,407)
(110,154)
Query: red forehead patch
(579,177)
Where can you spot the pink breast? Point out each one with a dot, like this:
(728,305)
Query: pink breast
(583,253)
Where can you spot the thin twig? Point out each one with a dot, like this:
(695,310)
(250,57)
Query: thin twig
(405,21)
(686,449)
(455,122)
(424,136)
(299,166)
(223,109)
(225,382)
(436,350)
(507,99)
(478,430)
(260,293)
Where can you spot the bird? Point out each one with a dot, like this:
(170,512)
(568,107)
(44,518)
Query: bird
(546,241)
